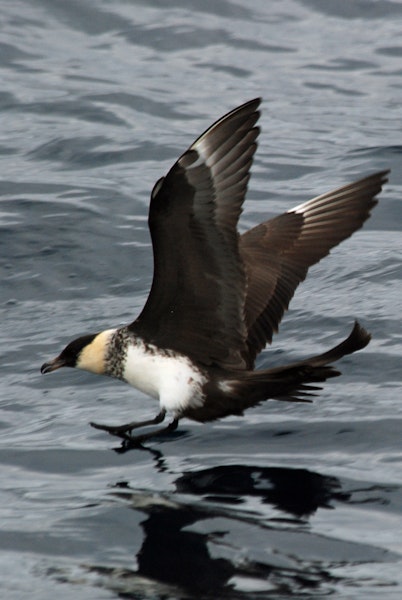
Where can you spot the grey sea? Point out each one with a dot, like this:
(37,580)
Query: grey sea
(295,501)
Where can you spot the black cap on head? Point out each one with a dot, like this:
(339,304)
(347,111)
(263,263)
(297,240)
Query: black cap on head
(71,352)
(68,357)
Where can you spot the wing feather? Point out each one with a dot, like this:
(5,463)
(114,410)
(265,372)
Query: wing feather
(278,253)
(196,303)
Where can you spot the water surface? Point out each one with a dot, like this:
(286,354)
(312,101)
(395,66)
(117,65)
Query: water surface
(97,100)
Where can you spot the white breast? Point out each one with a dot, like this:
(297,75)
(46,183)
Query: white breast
(167,376)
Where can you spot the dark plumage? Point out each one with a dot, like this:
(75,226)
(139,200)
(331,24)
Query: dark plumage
(217,297)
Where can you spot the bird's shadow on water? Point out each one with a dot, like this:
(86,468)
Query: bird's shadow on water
(157,455)
(232,531)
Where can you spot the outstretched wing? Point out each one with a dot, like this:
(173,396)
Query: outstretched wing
(196,303)
(277,254)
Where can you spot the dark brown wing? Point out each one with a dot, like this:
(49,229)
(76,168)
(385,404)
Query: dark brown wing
(196,303)
(278,253)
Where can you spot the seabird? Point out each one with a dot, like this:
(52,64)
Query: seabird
(217,297)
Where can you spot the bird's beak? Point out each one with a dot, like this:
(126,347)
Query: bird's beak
(52,365)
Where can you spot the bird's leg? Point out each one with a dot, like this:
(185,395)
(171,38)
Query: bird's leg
(123,431)
(137,440)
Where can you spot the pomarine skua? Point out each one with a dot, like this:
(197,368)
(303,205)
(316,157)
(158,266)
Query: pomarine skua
(217,297)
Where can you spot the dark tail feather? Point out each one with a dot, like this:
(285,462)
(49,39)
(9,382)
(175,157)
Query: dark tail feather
(294,381)
(357,340)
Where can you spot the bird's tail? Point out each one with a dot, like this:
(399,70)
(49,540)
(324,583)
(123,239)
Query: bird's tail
(296,382)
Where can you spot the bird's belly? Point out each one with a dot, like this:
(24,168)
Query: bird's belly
(164,375)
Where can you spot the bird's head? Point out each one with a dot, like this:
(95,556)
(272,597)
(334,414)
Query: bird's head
(87,352)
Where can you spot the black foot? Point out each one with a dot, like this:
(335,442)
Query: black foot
(135,441)
(123,431)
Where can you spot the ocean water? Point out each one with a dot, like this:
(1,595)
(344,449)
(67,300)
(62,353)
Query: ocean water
(97,100)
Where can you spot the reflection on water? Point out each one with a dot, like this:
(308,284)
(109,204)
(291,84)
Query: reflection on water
(295,491)
(190,546)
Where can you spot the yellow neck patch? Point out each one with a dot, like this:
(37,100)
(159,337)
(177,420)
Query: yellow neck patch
(93,357)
